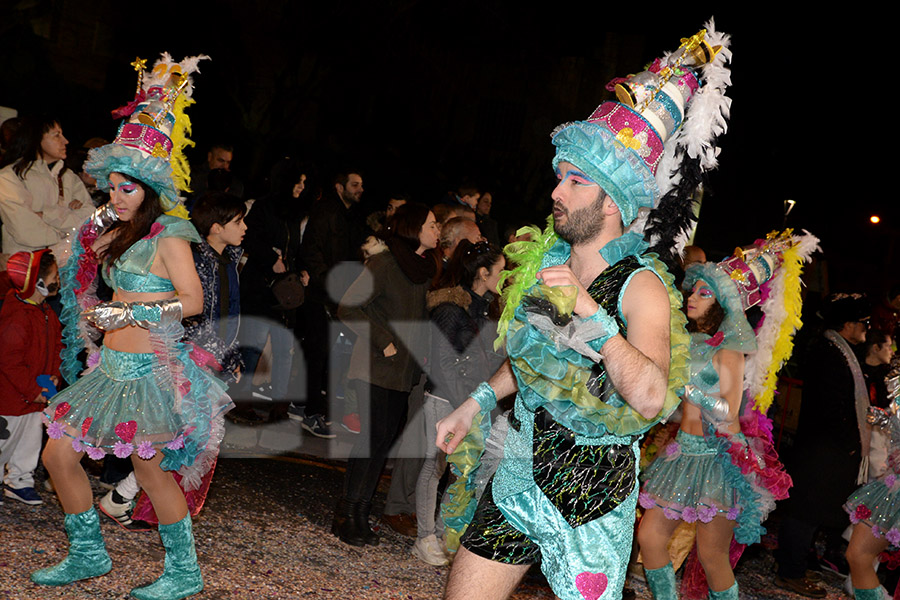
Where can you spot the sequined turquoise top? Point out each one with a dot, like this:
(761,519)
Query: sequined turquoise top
(131,272)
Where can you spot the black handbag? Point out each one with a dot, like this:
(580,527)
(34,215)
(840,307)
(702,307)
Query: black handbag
(288,291)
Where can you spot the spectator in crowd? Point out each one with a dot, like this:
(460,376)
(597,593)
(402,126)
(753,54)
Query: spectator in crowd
(29,366)
(273,255)
(453,232)
(877,353)
(466,194)
(331,253)
(385,307)
(445,212)
(219,156)
(486,223)
(40,199)
(832,431)
(377,219)
(8,130)
(464,311)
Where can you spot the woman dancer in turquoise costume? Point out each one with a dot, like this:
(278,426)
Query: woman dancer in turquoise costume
(141,396)
(713,474)
(875,508)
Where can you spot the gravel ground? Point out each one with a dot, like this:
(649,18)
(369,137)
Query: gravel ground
(264,534)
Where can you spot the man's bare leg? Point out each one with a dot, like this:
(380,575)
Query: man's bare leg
(475,577)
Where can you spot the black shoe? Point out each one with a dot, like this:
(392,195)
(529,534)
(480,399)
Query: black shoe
(344,525)
(361,518)
(801,586)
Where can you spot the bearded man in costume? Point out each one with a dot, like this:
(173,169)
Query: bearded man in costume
(597,353)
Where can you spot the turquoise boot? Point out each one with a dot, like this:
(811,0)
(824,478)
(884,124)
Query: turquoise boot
(181,577)
(729,594)
(87,553)
(870,594)
(661,582)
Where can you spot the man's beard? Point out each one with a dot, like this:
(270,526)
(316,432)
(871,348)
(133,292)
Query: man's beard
(349,198)
(582,225)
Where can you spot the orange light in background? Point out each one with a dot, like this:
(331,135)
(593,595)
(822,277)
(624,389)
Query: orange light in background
(875,219)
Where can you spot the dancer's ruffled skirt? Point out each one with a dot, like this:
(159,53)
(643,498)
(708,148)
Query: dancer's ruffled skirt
(133,403)
(877,504)
(688,482)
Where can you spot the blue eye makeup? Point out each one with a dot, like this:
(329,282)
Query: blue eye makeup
(577,177)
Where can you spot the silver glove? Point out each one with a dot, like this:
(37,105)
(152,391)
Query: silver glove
(715,408)
(102,218)
(109,316)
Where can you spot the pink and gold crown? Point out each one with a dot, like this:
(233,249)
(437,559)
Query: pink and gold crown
(651,104)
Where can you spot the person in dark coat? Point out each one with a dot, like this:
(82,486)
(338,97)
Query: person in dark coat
(828,435)
(385,308)
(272,246)
(334,234)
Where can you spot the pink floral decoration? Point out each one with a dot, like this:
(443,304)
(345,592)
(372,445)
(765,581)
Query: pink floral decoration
(893,536)
(123,449)
(93,359)
(689,514)
(876,531)
(155,230)
(176,444)
(77,445)
(146,450)
(862,512)
(890,480)
(707,513)
(646,500)
(673,450)
(733,513)
(95,453)
(55,430)
(716,339)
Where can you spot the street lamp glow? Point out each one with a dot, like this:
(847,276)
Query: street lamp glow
(875,219)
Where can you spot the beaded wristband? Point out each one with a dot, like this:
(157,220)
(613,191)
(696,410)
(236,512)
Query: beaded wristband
(485,396)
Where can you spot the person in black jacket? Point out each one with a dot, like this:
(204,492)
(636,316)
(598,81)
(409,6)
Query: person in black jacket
(331,253)
(385,308)
(272,246)
(464,311)
(828,435)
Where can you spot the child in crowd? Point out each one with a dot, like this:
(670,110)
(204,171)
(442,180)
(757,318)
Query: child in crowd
(29,366)
(219,218)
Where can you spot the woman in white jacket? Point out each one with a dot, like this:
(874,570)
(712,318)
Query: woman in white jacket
(40,199)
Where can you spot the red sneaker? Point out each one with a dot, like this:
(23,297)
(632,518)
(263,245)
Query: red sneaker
(351,423)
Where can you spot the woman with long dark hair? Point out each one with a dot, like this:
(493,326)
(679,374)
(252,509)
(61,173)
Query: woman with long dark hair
(141,396)
(385,308)
(41,200)
(464,311)
(721,471)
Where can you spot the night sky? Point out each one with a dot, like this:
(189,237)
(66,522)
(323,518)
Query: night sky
(421,95)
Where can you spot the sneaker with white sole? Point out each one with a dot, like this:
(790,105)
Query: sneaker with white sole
(428,550)
(316,426)
(26,495)
(121,514)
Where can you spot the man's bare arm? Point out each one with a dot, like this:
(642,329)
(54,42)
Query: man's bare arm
(452,430)
(639,364)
